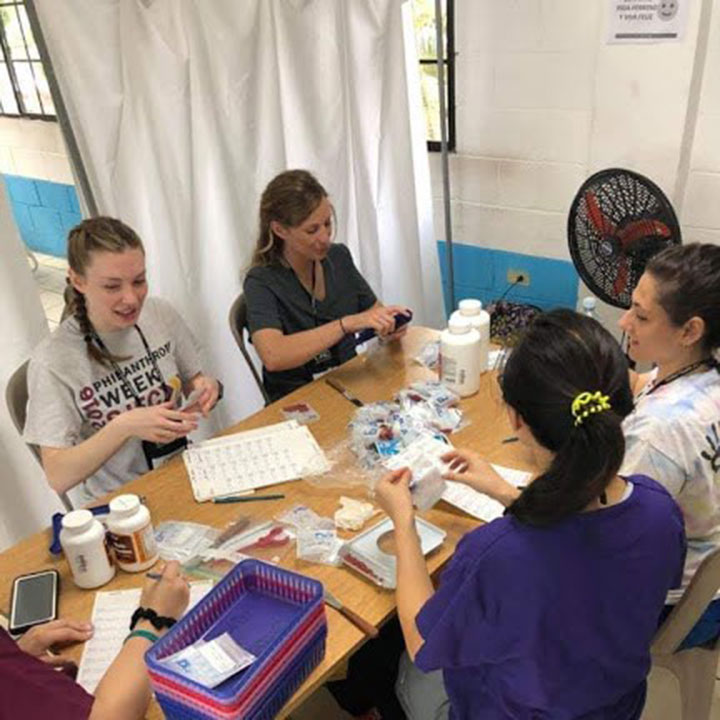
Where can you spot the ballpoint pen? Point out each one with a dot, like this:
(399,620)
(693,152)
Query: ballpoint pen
(246,498)
(337,385)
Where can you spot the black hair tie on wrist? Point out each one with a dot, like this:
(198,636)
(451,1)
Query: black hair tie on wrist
(159,622)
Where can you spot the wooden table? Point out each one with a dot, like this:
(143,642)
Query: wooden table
(372,377)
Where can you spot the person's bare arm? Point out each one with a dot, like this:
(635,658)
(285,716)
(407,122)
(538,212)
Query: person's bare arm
(414,586)
(467,467)
(284,352)
(124,691)
(67,467)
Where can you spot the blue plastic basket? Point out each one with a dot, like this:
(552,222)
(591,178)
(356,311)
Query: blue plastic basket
(276,614)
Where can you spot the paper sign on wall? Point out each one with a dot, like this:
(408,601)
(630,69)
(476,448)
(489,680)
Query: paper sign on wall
(647,22)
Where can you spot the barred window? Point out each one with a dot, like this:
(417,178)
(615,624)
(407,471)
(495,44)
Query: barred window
(24,88)
(425,36)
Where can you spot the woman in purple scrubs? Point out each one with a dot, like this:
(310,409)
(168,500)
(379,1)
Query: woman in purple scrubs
(549,611)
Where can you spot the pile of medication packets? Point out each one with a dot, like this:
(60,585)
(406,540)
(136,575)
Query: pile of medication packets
(381,430)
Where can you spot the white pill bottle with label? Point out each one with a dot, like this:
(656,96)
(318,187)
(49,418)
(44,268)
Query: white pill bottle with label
(460,356)
(472,309)
(83,541)
(131,534)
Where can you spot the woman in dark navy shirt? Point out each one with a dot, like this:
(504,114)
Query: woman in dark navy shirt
(305,297)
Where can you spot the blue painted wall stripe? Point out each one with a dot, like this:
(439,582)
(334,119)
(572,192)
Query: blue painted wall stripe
(482,273)
(44,212)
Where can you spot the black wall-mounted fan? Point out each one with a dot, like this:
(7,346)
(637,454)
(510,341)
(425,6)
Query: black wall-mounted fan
(618,221)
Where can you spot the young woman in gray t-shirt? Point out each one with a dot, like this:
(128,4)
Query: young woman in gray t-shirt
(103,388)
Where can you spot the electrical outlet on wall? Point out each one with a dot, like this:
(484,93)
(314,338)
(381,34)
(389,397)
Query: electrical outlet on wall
(518,277)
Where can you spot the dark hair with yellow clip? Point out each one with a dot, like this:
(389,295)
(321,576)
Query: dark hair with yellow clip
(562,356)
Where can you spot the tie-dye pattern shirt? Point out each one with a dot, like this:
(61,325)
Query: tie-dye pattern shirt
(673,436)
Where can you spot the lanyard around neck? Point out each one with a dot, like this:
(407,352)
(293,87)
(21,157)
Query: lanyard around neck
(313,282)
(117,369)
(682,372)
(313,299)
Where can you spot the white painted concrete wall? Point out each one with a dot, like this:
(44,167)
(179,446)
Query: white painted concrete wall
(701,209)
(542,102)
(34,149)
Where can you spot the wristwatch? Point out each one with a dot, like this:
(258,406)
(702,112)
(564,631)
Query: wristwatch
(159,622)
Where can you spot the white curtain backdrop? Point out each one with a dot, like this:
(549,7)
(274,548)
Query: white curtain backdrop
(185,109)
(26,500)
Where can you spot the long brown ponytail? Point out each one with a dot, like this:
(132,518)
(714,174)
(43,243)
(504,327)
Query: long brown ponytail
(288,199)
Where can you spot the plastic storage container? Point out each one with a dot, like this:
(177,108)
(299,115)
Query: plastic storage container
(276,614)
(83,541)
(460,356)
(131,534)
(472,309)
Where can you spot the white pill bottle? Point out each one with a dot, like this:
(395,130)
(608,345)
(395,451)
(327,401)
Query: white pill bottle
(472,309)
(131,534)
(460,356)
(83,541)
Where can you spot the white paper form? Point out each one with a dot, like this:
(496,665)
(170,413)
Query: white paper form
(242,462)
(478,504)
(111,621)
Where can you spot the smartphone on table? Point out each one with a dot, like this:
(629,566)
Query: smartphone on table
(34,600)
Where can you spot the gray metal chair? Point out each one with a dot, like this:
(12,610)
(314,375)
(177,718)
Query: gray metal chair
(694,668)
(16,397)
(238,326)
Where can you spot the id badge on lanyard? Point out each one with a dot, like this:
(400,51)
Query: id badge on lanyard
(324,361)
(151,450)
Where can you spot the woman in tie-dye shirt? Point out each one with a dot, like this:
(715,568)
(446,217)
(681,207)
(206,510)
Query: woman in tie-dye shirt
(674,433)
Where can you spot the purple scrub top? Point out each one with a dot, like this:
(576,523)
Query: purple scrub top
(555,622)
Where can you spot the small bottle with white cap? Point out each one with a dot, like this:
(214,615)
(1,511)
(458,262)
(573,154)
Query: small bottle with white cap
(83,541)
(460,356)
(589,305)
(131,534)
(480,320)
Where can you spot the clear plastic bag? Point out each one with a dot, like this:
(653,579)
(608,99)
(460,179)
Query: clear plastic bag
(317,539)
(182,541)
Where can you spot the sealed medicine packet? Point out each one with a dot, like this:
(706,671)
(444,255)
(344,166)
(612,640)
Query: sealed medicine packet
(210,662)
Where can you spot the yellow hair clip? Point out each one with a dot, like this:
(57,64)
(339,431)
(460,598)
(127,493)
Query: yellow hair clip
(586,403)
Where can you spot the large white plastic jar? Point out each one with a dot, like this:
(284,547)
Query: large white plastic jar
(83,541)
(480,320)
(131,533)
(460,356)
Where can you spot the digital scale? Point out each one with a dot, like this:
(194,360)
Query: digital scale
(372,554)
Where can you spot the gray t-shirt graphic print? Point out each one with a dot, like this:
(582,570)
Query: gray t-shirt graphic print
(71,397)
